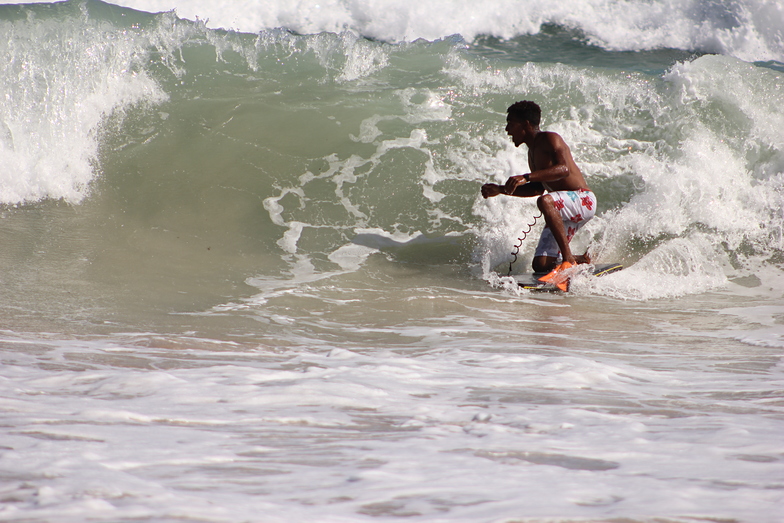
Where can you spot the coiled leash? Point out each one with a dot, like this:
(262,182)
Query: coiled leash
(520,243)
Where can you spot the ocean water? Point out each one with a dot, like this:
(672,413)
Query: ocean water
(246,273)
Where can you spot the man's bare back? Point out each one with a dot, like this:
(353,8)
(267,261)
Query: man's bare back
(549,151)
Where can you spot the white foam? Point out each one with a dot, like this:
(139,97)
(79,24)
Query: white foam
(60,82)
(290,238)
(350,257)
(747,29)
(678,267)
(338,433)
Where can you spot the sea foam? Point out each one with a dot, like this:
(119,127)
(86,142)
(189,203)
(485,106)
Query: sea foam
(747,29)
(61,83)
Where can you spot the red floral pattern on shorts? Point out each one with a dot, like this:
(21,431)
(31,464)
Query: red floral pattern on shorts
(587,202)
(576,208)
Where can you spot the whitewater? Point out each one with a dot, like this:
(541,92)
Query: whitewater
(246,273)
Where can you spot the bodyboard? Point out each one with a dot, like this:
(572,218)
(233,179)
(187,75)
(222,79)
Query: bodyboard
(531,282)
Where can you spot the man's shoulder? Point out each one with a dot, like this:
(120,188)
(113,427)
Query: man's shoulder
(552,135)
(549,139)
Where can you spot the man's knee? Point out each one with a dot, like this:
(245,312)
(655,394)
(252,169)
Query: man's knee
(544,201)
(544,263)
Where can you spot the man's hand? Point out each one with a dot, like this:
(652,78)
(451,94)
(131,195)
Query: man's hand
(491,189)
(514,182)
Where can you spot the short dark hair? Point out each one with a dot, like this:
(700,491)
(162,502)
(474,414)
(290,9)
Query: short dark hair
(525,110)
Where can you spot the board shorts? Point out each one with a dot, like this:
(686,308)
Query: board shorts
(576,208)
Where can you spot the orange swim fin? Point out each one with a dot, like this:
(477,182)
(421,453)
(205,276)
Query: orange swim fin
(556,276)
(558,269)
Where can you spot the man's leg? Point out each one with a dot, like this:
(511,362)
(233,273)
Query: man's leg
(544,263)
(554,221)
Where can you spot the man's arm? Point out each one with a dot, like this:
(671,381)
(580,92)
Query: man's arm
(523,191)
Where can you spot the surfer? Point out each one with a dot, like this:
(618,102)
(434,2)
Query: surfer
(565,200)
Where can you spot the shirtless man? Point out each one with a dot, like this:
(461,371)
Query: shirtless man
(568,204)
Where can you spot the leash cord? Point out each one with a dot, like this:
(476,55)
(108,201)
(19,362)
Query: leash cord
(525,233)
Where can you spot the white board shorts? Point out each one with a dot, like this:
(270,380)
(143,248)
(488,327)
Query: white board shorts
(576,208)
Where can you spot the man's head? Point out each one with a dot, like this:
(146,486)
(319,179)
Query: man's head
(525,110)
(522,121)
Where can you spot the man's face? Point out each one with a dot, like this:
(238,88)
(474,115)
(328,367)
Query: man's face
(517,129)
